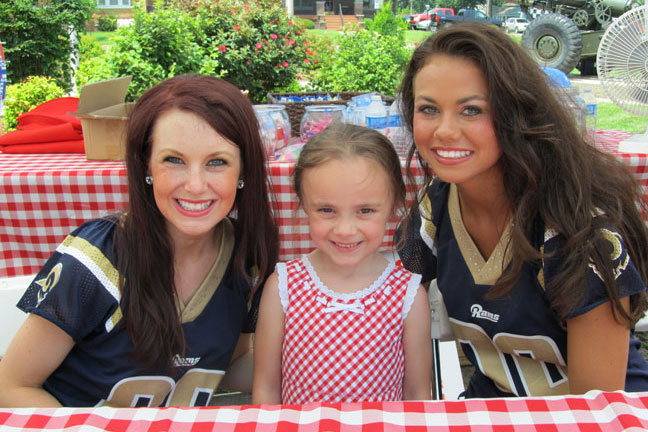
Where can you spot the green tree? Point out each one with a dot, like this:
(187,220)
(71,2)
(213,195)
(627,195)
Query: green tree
(37,38)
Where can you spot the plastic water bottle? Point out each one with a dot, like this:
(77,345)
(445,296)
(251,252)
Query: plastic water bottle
(396,130)
(376,115)
(590,114)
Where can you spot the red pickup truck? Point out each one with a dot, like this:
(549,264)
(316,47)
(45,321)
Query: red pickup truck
(425,20)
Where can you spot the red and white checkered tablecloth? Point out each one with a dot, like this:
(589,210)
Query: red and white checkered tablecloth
(593,412)
(45,196)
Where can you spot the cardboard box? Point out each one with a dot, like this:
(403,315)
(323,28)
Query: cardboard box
(104,114)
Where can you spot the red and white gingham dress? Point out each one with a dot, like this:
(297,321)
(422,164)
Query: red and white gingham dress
(343,347)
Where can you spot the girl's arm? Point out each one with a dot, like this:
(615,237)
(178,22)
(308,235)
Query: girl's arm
(239,373)
(37,349)
(597,347)
(268,341)
(417,346)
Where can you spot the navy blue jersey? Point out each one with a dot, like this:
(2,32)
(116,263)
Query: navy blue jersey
(515,342)
(77,290)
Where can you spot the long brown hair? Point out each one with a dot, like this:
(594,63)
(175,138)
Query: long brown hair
(144,248)
(552,175)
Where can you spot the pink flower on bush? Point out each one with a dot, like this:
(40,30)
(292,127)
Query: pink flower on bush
(222,48)
(291,42)
(285,64)
(298,32)
(274,36)
(237,27)
(305,43)
(279,65)
(232,11)
(309,52)
(258,45)
(249,62)
(306,61)
(291,23)
(314,61)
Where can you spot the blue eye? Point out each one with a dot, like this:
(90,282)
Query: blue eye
(216,162)
(473,110)
(173,160)
(428,109)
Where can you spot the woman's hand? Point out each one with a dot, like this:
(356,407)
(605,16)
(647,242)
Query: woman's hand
(597,347)
(37,349)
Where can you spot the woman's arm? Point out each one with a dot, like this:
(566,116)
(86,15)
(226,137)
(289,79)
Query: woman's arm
(36,350)
(268,342)
(597,347)
(239,373)
(417,346)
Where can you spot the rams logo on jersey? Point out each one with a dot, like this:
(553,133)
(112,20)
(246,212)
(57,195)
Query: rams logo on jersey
(49,282)
(618,255)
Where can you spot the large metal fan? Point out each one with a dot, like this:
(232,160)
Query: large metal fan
(622,63)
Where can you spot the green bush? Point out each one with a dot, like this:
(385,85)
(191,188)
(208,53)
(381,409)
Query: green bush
(254,45)
(156,46)
(89,48)
(27,95)
(386,23)
(36,37)
(304,22)
(364,61)
(107,23)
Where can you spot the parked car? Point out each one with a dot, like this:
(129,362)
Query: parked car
(516,25)
(425,20)
(436,14)
(466,15)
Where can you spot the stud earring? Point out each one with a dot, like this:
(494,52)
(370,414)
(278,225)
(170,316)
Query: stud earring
(240,184)
(148,180)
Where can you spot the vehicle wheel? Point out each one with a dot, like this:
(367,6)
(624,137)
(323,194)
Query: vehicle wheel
(587,67)
(553,40)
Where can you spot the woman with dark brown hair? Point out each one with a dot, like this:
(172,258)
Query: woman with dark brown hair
(150,307)
(534,237)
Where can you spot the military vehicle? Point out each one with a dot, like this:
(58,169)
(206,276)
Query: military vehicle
(568,33)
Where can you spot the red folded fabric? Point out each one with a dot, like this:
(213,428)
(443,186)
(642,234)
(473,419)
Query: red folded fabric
(61,132)
(48,128)
(53,147)
(52,112)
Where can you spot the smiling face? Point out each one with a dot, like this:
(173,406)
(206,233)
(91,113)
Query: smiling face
(195,172)
(453,125)
(348,203)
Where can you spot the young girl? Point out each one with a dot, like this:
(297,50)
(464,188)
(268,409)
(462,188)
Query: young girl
(343,323)
(533,235)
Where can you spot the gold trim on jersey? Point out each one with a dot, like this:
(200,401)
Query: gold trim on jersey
(428,229)
(483,272)
(213,279)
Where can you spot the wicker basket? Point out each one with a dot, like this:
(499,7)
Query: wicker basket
(296,110)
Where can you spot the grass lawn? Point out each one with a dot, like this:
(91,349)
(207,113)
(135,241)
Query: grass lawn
(610,116)
(104,38)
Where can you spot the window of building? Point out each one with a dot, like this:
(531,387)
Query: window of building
(113,3)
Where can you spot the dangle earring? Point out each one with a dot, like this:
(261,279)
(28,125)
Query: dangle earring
(240,184)
(149,180)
